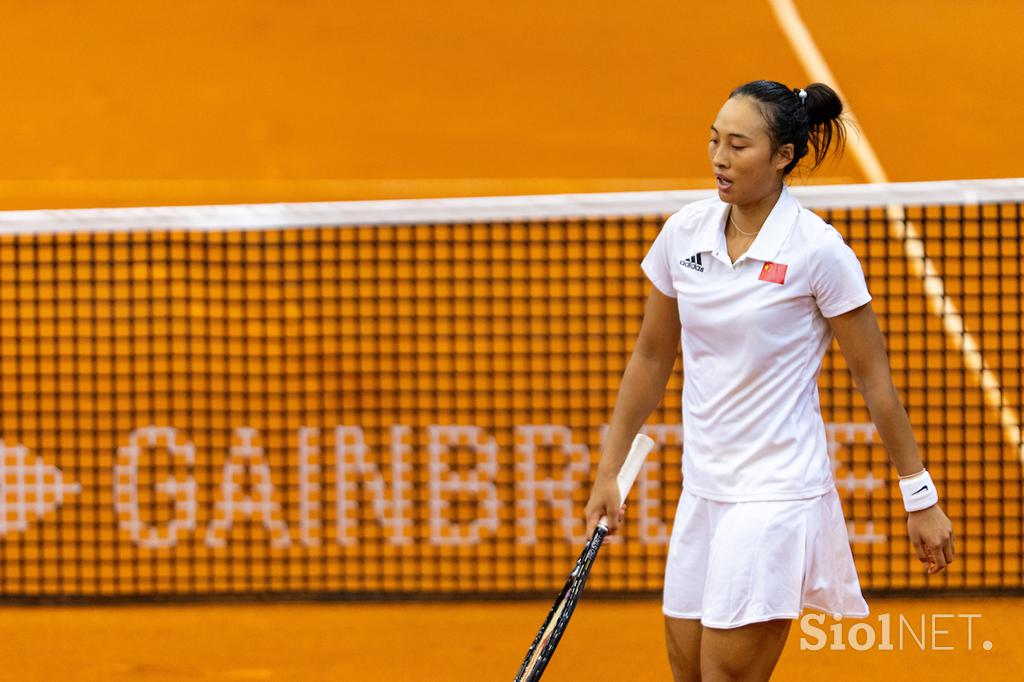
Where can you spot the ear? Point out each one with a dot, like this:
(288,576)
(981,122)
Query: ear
(783,156)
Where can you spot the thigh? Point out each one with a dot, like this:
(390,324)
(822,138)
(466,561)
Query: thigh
(747,653)
(682,638)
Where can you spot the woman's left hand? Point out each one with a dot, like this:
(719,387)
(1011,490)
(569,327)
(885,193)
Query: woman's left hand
(931,533)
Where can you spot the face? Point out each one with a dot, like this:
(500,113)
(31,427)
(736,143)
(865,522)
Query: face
(741,155)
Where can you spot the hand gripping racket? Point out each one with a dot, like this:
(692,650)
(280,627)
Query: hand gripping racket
(543,647)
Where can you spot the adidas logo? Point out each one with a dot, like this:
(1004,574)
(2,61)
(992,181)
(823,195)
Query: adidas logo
(693,262)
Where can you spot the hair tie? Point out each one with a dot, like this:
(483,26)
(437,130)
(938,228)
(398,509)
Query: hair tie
(803,96)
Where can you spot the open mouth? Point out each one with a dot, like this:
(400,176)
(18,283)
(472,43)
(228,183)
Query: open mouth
(722,182)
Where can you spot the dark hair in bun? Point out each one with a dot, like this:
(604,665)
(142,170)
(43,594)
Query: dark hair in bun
(806,122)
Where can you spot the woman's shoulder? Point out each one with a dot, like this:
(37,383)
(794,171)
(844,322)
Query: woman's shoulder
(816,233)
(824,246)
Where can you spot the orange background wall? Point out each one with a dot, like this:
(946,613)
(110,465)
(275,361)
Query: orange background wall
(153,102)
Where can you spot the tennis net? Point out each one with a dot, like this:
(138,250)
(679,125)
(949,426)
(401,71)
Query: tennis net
(408,398)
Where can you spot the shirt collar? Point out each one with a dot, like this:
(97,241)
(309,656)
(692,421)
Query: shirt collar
(768,241)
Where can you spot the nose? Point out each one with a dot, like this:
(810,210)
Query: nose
(718,157)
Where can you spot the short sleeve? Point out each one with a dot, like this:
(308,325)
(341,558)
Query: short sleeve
(656,263)
(837,280)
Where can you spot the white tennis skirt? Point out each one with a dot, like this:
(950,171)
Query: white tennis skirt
(734,563)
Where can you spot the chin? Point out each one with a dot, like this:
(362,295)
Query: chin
(729,195)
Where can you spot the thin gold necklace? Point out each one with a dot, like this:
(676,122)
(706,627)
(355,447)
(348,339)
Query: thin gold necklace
(737,227)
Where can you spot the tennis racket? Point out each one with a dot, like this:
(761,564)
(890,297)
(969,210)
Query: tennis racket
(543,647)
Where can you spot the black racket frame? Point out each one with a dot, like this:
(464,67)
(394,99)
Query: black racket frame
(570,594)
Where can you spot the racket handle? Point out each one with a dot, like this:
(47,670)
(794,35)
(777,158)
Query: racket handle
(630,469)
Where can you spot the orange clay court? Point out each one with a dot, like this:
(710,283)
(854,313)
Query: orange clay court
(122,104)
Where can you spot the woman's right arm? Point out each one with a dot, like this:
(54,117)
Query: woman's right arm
(642,388)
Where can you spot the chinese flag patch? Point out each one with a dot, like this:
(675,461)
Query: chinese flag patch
(773,272)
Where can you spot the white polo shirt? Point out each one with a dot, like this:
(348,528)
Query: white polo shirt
(753,337)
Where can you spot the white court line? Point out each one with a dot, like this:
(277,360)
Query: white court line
(902,229)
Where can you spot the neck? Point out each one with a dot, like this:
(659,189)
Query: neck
(751,216)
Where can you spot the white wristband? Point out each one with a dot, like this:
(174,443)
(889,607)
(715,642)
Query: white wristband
(918,492)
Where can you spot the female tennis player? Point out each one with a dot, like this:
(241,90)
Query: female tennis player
(755,287)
